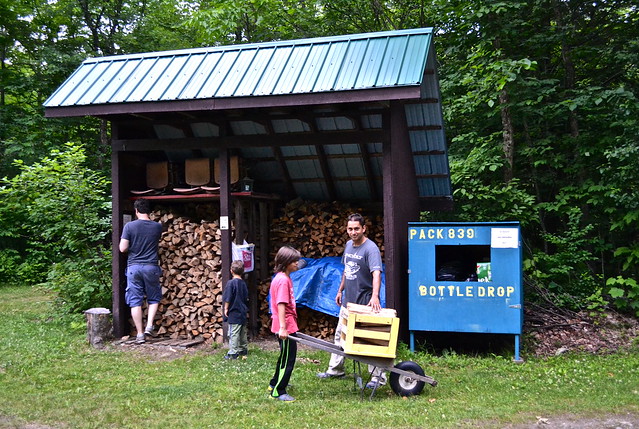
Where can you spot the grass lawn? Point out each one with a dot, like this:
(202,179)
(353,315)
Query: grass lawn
(50,376)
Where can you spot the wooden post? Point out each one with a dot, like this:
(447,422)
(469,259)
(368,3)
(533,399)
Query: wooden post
(225,223)
(400,207)
(120,309)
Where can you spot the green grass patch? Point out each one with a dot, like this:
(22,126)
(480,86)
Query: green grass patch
(51,376)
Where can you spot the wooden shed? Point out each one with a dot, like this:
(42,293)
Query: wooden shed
(345,118)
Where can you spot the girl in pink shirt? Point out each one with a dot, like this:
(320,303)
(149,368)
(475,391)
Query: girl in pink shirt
(284,317)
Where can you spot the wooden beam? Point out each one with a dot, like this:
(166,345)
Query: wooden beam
(260,140)
(286,177)
(370,177)
(326,172)
(425,128)
(213,104)
(329,157)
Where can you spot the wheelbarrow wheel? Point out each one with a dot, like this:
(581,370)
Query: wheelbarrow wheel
(405,385)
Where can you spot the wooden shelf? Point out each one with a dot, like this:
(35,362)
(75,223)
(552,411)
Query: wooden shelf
(205,197)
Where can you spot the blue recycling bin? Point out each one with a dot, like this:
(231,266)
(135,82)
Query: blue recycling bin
(465,277)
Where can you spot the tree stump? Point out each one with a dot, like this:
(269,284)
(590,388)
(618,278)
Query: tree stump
(99,326)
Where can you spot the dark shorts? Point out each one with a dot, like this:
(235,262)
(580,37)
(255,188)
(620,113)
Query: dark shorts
(143,280)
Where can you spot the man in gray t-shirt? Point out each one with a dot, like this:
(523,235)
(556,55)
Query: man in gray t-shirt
(362,263)
(140,240)
(360,284)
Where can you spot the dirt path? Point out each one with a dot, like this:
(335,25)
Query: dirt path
(620,421)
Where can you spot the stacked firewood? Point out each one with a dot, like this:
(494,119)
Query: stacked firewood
(317,230)
(190,257)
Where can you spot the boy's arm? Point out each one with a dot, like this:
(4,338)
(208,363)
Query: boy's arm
(281,316)
(225,311)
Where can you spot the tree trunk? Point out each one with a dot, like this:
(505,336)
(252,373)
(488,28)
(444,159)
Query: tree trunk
(99,326)
(508,140)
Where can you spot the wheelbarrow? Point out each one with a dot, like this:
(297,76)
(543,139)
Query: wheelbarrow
(406,378)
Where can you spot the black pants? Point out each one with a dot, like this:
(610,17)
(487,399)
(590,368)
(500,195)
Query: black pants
(284,368)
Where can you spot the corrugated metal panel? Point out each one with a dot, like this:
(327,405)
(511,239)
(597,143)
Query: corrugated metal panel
(309,74)
(200,72)
(395,52)
(284,126)
(247,128)
(291,71)
(361,61)
(274,71)
(330,68)
(429,140)
(205,129)
(113,80)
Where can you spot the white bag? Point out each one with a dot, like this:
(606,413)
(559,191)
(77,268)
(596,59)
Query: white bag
(244,252)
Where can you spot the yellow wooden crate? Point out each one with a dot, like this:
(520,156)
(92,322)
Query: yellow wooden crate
(371,335)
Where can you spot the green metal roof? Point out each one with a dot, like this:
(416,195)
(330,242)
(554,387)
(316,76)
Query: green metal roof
(309,66)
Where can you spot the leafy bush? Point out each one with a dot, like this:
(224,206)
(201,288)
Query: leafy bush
(9,262)
(56,214)
(565,271)
(82,284)
(625,293)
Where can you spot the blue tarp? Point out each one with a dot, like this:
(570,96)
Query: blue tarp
(316,284)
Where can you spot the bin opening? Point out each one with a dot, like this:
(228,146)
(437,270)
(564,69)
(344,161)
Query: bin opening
(462,263)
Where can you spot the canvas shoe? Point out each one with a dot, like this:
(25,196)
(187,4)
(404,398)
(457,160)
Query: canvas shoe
(327,375)
(373,384)
(285,397)
(150,332)
(139,339)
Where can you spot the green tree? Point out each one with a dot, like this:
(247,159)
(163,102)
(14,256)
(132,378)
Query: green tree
(223,22)
(545,93)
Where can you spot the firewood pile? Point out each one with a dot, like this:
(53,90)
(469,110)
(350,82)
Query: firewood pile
(317,230)
(190,257)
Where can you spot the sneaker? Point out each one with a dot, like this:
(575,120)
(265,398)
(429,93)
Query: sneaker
(286,397)
(150,332)
(327,375)
(230,356)
(139,339)
(373,384)
(244,353)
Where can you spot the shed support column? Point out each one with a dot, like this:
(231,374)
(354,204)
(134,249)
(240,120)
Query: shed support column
(225,215)
(400,207)
(120,309)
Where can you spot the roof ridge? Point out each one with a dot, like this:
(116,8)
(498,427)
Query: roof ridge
(260,45)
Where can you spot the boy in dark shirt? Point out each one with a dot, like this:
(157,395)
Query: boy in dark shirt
(235,298)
